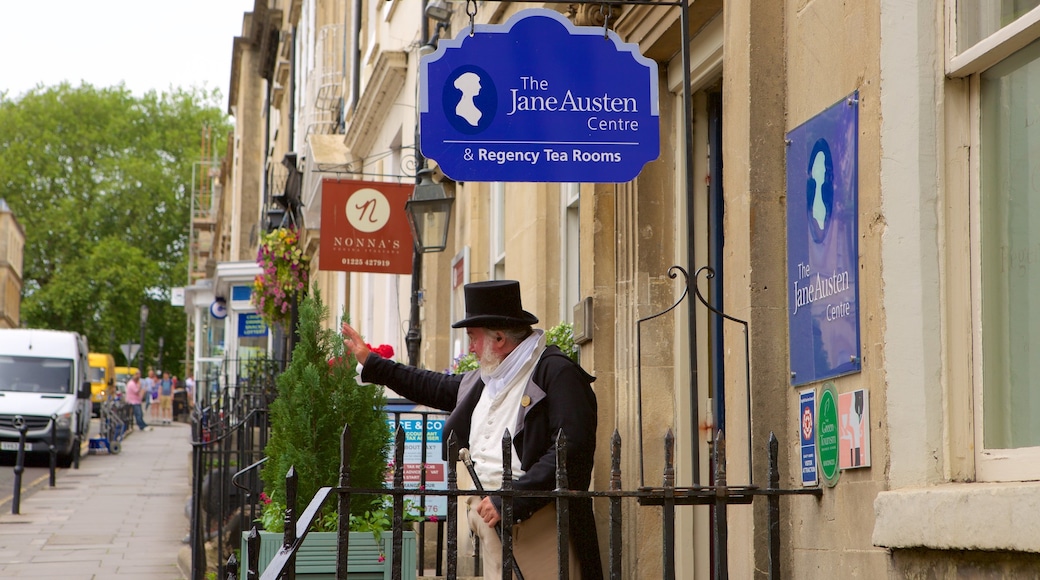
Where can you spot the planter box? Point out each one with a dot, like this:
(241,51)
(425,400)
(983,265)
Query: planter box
(316,559)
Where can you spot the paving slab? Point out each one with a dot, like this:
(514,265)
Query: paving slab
(116,517)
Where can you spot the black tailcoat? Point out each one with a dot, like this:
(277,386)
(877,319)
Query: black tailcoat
(560,396)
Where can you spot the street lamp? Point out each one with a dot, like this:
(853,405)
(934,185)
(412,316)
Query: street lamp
(144,320)
(429,212)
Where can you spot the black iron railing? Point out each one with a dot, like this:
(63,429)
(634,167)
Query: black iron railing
(667,496)
(229,432)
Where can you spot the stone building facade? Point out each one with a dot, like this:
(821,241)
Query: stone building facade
(12,250)
(943,249)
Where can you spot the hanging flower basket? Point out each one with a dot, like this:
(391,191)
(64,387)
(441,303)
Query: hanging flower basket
(285,274)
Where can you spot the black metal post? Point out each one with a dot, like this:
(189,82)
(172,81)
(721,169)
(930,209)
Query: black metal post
(453,507)
(422,485)
(506,525)
(773,512)
(253,559)
(721,503)
(413,339)
(53,451)
(615,506)
(232,567)
(668,507)
(19,465)
(398,523)
(289,533)
(563,529)
(343,525)
(198,547)
(140,353)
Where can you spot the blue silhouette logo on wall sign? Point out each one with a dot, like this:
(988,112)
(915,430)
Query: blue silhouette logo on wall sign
(538,99)
(819,190)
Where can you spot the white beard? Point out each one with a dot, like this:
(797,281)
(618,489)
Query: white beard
(489,361)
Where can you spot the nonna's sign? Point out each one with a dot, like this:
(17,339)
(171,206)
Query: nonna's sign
(539,99)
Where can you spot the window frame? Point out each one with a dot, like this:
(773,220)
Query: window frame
(570,254)
(964,127)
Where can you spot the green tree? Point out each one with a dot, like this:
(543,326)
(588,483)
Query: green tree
(317,395)
(101,181)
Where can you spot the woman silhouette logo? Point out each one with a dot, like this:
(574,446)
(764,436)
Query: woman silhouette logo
(469,84)
(819,190)
(470,99)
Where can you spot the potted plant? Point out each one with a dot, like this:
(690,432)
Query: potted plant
(284,276)
(317,395)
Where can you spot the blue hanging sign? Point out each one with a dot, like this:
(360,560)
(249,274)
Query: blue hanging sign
(538,99)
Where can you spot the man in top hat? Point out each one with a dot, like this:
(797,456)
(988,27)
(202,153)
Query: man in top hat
(531,390)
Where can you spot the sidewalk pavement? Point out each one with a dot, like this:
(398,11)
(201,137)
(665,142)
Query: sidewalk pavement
(117,516)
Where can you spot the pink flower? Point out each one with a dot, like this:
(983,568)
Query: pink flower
(382,558)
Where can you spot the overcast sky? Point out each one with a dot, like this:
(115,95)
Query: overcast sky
(146,44)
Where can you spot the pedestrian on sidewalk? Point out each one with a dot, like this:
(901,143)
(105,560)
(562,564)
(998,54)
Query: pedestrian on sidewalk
(166,399)
(151,395)
(134,394)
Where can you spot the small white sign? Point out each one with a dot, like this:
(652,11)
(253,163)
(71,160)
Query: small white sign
(177,296)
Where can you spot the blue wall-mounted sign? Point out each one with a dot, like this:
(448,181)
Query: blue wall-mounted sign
(822,244)
(251,325)
(807,429)
(241,293)
(539,99)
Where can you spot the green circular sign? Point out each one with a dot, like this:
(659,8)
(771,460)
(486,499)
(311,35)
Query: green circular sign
(827,434)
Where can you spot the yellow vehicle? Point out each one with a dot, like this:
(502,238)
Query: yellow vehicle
(102,375)
(123,375)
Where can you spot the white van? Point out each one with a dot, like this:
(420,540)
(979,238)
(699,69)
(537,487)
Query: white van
(43,374)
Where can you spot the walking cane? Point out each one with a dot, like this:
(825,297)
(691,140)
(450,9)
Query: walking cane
(467,460)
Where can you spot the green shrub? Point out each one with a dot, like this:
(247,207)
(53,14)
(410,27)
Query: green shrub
(317,395)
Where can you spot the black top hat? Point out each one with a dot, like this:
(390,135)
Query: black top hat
(494,304)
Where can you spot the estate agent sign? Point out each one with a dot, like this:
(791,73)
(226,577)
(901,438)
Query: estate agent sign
(538,99)
(822,244)
(364,227)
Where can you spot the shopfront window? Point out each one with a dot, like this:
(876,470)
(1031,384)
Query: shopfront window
(212,344)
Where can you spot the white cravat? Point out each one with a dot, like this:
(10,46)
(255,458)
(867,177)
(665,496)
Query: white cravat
(498,409)
(496,380)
